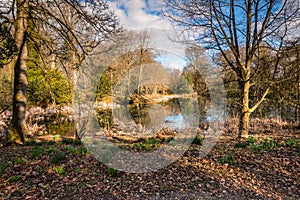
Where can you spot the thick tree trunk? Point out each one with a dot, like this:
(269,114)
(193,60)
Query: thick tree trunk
(20,74)
(245,111)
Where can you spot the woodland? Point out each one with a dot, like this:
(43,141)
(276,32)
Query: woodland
(60,59)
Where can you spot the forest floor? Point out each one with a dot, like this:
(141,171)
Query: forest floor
(266,166)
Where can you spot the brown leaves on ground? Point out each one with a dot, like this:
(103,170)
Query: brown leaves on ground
(256,169)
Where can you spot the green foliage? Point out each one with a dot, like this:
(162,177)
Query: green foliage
(166,141)
(14,178)
(56,137)
(51,142)
(112,171)
(83,150)
(19,161)
(267,144)
(45,84)
(51,150)
(197,140)
(59,157)
(37,152)
(42,169)
(7,44)
(32,143)
(244,144)
(70,141)
(59,169)
(151,141)
(228,159)
(70,149)
(103,87)
(291,142)
(3,166)
(241,144)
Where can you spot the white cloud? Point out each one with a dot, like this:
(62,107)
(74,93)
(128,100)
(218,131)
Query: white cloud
(145,14)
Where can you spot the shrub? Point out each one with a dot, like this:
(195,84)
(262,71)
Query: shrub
(46,84)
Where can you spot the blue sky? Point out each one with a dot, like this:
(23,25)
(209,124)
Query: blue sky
(146,14)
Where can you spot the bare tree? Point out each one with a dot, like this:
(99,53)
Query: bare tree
(243,28)
(58,26)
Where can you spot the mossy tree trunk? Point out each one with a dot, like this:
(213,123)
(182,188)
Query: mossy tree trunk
(20,74)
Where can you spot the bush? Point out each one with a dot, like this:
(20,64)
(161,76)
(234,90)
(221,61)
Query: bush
(46,84)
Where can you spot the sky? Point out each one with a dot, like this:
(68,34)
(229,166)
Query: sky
(146,14)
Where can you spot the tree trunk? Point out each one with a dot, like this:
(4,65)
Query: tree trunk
(20,74)
(245,111)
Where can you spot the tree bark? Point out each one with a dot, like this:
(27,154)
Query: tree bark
(20,74)
(245,111)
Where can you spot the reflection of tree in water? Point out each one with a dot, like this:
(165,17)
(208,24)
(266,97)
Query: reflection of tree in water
(140,114)
(144,114)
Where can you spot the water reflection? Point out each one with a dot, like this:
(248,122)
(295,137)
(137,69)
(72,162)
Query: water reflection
(175,114)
